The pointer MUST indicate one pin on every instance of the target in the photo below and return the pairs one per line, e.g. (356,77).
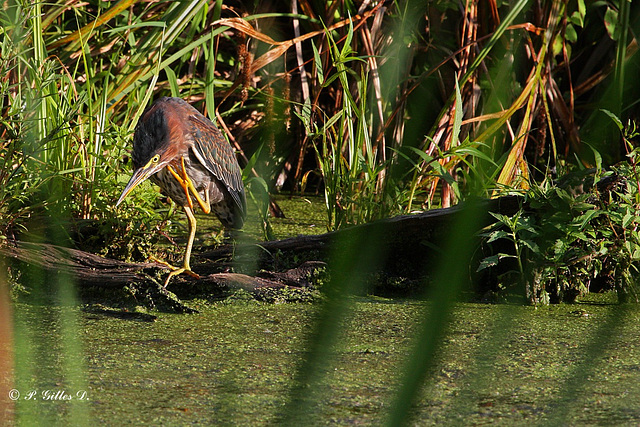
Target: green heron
(185,154)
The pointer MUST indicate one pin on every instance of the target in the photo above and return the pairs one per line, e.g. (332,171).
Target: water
(234,362)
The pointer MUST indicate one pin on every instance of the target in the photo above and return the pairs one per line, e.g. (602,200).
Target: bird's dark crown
(151,136)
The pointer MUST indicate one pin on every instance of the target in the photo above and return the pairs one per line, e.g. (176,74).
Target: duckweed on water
(234,363)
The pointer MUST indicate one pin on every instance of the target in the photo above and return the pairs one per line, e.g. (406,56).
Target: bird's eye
(156,158)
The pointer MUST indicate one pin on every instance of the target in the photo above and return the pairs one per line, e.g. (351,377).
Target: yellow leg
(186,267)
(187,184)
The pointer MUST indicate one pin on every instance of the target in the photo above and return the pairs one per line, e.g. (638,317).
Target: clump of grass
(356,180)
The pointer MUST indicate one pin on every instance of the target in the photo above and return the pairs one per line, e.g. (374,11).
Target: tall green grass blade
(173,82)
(151,48)
(217,10)
(508,20)
(588,365)
(85,31)
(457,117)
(621,51)
(318,63)
(167,62)
(351,263)
(450,279)
(209,89)
(36,70)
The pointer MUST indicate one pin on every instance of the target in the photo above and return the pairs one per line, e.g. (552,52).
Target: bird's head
(152,148)
(152,166)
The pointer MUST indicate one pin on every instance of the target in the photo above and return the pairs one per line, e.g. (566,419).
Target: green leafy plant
(520,231)
(577,236)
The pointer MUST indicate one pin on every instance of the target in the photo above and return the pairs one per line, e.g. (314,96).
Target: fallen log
(86,268)
(90,270)
(410,243)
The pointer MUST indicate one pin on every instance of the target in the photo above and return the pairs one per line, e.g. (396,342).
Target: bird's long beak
(138,176)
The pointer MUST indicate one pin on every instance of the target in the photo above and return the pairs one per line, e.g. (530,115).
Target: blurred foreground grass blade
(449,280)
(588,366)
(479,380)
(48,345)
(46,338)
(7,407)
(621,50)
(353,259)
(515,11)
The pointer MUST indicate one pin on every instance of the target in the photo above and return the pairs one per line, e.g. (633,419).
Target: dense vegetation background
(383,107)
(355,99)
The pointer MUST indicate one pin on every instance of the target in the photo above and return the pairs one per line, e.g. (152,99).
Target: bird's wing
(215,154)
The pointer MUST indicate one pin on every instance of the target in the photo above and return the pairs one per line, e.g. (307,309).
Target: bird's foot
(180,270)
(186,269)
